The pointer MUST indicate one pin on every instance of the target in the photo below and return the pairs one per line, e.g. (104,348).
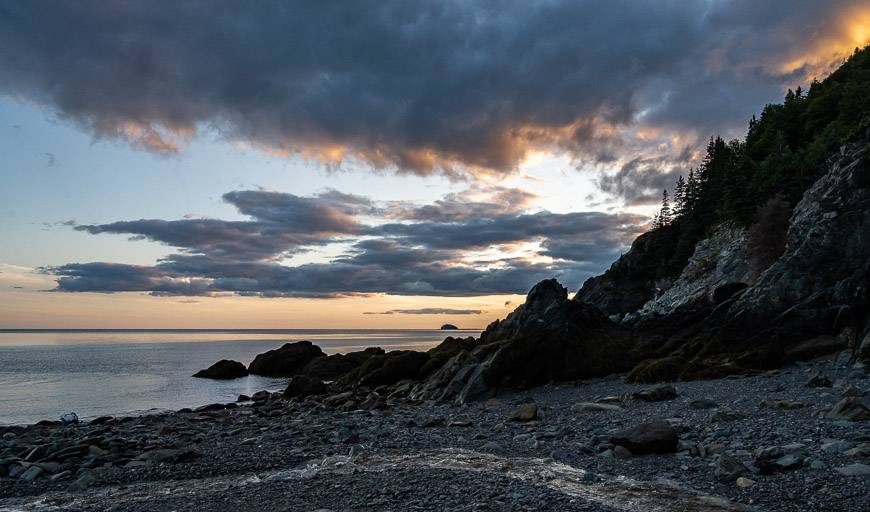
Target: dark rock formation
(223,369)
(547,338)
(812,301)
(286,361)
(449,327)
(387,369)
(301,386)
(336,365)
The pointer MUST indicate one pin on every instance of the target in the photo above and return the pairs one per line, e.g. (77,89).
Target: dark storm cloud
(419,86)
(642,180)
(507,229)
(282,224)
(426,311)
(179,276)
(421,257)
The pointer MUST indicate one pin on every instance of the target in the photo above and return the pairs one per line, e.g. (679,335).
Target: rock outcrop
(223,370)
(813,300)
(334,366)
(547,338)
(286,361)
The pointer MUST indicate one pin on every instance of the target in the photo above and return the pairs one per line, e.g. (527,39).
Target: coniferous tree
(679,198)
(665,212)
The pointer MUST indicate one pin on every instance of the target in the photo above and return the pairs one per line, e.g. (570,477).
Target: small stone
(850,409)
(591,407)
(653,437)
(526,412)
(854,470)
(620,452)
(820,381)
(656,394)
(703,403)
(31,474)
(728,468)
(726,415)
(852,391)
(745,482)
(84,481)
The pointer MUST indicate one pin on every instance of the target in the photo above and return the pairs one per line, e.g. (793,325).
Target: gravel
(743,440)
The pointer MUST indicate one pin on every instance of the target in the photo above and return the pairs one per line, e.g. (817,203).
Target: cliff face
(813,300)
(718,268)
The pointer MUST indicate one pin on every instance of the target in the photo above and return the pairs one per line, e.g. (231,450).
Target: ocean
(47,373)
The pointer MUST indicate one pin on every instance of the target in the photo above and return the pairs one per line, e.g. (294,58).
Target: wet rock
(525,412)
(302,386)
(656,393)
(850,409)
(653,437)
(224,369)
(286,361)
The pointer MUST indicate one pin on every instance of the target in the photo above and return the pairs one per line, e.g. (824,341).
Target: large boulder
(224,369)
(548,338)
(332,367)
(286,361)
(387,369)
(653,437)
(302,386)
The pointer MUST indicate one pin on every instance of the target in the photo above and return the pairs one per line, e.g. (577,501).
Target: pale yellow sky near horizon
(30,307)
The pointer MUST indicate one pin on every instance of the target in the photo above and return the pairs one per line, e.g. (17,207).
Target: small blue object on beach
(69,418)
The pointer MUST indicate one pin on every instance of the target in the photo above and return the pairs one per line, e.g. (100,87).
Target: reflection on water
(47,373)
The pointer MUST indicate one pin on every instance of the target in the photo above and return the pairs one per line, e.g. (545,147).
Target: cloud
(495,251)
(282,223)
(426,311)
(641,180)
(434,86)
(50,159)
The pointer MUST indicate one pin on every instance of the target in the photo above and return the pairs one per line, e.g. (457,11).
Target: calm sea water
(44,374)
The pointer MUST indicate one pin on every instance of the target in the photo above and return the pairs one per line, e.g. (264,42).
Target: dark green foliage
(767,237)
(784,152)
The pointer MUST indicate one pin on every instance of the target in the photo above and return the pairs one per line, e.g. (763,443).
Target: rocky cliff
(811,301)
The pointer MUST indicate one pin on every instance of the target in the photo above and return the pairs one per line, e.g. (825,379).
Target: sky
(357,164)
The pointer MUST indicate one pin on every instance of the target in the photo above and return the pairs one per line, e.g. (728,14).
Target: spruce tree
(665,212)
(679,198)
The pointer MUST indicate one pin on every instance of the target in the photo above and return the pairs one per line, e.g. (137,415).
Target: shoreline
(717,420)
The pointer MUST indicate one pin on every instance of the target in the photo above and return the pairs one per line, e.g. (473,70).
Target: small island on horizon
(449,327)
